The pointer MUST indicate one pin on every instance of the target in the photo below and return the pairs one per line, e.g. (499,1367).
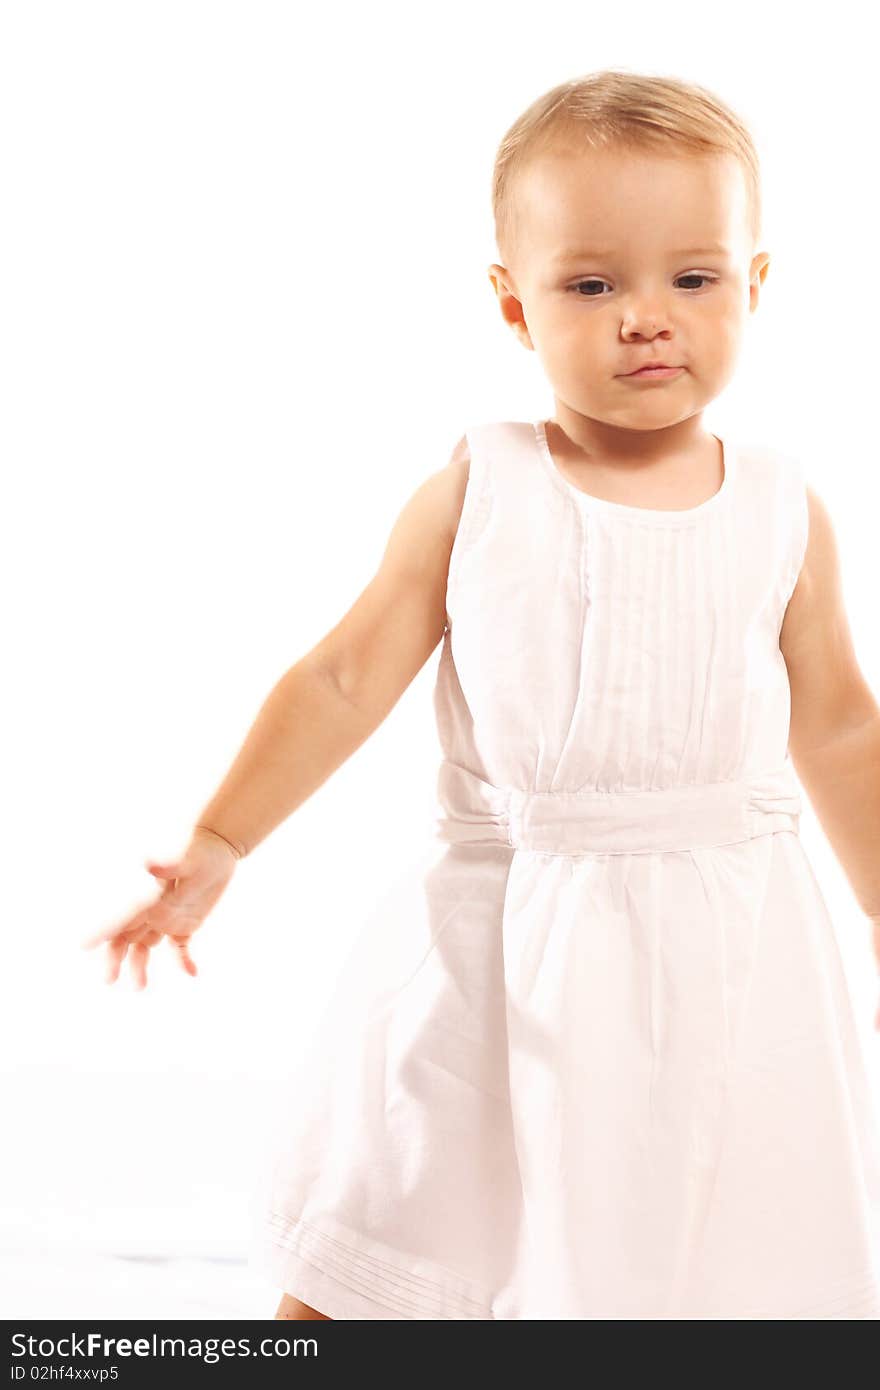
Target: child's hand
(192,886)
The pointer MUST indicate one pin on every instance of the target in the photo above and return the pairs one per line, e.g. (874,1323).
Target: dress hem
(346,1275)
(857,1297)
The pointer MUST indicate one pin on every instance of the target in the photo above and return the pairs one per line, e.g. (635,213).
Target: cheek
(718,332)
(728,333)
(566,329)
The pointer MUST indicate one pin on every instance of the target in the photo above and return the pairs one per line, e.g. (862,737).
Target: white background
(245,313)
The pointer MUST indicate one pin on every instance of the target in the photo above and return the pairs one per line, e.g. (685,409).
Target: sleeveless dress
(594,1056)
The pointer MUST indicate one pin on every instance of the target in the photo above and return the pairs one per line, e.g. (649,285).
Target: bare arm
(835,720)
(331,700)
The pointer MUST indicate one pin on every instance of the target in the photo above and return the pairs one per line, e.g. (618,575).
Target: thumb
(163,870)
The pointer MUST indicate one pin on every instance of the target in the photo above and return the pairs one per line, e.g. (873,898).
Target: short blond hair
(633,111)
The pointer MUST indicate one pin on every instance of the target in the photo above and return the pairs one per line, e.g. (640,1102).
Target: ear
(757,276)
(511,305)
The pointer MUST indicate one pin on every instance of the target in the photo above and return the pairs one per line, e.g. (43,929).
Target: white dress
(595,1056)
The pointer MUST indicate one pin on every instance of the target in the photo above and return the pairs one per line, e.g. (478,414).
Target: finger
(115,956)
(158,910)
(139,957)
(144,931)
(184,957)
(133,925)
(100,936)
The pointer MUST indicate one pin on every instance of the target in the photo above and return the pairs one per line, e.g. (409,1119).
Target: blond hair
(632,111)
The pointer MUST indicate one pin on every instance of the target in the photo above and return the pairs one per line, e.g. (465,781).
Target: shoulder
(819,576)
(828,689)
(429,519)
(447,488)
(821,553)
(817,589)
(458,468)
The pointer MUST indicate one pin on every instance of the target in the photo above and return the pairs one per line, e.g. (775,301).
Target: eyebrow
(599,255)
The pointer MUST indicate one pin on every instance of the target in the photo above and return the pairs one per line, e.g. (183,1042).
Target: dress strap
(506,483)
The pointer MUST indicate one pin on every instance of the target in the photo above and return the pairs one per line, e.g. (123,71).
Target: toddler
(610,1068)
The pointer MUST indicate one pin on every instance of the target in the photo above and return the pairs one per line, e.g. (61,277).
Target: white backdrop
(245,313)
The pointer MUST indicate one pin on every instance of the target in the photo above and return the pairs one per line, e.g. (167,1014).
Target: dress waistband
(473,811)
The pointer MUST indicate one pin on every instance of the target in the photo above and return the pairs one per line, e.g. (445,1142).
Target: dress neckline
(647,516)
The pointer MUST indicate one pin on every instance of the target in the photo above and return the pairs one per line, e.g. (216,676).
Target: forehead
(611,201)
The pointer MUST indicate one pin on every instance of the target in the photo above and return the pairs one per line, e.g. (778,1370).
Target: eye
(594,280)
(698,275)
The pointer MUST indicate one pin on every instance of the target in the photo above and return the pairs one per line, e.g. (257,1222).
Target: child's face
(630,229)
